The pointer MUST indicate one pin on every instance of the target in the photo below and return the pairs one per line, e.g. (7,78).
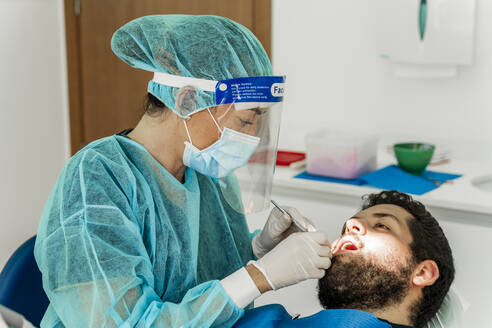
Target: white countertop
(459,194)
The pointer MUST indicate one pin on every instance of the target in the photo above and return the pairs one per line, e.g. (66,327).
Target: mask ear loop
(187,132)
(227,111)
(213,118)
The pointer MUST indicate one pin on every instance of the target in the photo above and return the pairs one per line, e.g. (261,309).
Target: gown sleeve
(96,268)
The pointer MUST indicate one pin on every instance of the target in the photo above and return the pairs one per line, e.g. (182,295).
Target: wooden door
(107,95)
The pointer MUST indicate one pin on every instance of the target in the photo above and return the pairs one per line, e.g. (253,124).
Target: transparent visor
(251,106)
(248,189)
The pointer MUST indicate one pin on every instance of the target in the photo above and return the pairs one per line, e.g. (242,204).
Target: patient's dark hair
(429,243)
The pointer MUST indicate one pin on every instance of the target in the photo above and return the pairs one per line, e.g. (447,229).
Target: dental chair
(21,288)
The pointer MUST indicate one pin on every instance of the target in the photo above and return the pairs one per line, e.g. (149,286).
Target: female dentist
(147,228)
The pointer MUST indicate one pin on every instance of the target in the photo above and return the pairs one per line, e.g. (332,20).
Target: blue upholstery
(21,288)
(275,316)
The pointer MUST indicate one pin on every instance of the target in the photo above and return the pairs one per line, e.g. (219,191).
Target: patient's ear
(425,274)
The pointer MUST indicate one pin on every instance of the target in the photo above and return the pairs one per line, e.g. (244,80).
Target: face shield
(251,106)
(254,180)
(256,110)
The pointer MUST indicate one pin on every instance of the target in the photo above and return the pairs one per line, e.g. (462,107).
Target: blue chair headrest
(21,287)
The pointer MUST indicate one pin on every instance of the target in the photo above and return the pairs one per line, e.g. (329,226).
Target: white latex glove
(301,256)
(276,229)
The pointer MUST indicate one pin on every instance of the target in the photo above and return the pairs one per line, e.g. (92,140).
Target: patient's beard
(354,282)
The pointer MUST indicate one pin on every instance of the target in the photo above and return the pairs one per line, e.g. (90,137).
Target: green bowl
(413,157)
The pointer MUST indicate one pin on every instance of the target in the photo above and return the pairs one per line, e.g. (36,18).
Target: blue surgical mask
(230,152)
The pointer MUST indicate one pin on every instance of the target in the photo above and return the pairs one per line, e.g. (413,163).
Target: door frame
(262,22)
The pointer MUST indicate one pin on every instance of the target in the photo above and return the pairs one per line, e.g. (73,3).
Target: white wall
(34,138)
(337,80)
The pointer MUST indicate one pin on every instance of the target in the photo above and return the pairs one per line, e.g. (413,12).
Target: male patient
(391,267)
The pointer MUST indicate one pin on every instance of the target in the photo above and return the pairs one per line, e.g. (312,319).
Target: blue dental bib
(275,316)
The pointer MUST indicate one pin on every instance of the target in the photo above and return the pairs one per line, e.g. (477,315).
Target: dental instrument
(302,226)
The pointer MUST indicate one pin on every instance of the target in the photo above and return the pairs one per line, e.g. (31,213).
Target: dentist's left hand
(275,230)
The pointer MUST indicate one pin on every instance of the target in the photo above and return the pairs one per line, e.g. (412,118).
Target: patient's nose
(355,226)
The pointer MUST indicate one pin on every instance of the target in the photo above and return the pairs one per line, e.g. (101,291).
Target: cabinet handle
(422,18)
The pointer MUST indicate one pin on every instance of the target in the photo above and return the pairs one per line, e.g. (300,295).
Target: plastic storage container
(340,154)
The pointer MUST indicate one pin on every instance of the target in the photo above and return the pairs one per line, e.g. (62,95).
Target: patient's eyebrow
(383,215)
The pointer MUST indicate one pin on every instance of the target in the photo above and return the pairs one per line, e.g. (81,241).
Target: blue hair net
(203,47)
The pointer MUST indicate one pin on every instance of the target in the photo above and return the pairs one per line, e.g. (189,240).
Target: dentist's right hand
(301,256)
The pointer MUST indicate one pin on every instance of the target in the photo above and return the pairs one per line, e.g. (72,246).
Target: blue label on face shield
(250,89)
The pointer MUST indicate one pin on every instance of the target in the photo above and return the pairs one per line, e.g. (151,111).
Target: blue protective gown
(123,243)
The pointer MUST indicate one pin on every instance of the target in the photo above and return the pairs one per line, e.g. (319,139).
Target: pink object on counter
(334,154)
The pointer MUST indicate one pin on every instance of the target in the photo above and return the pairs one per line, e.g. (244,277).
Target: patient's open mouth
(349,247)
(346,245)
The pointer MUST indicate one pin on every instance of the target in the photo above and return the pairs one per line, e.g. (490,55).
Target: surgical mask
(231,151)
